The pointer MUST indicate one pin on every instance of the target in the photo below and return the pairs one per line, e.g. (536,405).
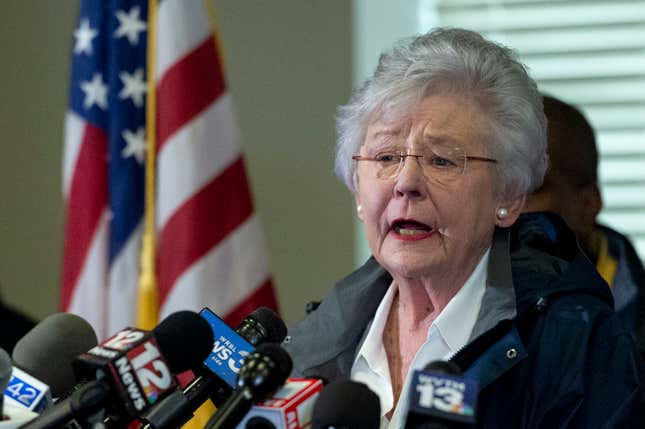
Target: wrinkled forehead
(437,119)
(397,104)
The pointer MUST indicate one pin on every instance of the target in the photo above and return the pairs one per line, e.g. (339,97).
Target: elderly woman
(440,147)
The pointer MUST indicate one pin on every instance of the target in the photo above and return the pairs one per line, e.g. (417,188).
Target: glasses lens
(388,164)
(443,164)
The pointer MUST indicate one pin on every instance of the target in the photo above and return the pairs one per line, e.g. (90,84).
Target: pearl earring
(502,213)
(359,209)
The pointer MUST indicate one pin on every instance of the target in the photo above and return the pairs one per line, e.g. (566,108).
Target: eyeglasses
(443,164)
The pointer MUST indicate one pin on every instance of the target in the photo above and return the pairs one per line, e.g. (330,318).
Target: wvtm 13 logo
(444,394)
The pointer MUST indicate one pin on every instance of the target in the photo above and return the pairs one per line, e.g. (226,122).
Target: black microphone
(261,326)
(441,398)
(263,372)
(131,371)
(231,347)
(43,361)
(5,376)
(47,351)
(346,404)
(443,367)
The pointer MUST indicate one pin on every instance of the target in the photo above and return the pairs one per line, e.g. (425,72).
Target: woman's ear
(508,211)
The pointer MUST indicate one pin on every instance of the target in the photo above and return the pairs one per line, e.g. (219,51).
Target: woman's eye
(387,157)
(439,161)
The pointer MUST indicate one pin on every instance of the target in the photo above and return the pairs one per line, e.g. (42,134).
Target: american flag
(210,249)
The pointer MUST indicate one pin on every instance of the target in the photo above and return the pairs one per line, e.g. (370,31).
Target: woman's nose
(410,179)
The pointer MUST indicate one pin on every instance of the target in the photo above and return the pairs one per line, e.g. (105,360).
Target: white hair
(450,60)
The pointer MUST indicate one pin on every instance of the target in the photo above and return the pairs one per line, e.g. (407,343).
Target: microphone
(263,372)
(216,378)
(232,347)
(5,376)
(441,398)
(130,371)
(43,360)
(12,416)
(347,404)
(289,408)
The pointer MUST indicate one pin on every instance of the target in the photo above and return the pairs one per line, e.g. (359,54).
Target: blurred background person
(571,190)
(440,148)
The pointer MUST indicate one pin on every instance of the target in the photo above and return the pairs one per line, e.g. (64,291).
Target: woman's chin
(411,265)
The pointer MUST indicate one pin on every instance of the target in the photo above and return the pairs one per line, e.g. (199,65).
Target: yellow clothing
(606,264)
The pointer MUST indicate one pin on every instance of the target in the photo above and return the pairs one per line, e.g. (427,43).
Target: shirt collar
(372,349)
(454,324)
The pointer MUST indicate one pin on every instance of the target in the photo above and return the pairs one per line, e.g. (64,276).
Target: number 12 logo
(151,370)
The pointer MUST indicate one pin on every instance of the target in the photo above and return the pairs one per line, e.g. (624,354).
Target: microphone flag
(441,397)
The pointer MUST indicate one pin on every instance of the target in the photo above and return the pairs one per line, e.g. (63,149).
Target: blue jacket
(547,349)
(628,285)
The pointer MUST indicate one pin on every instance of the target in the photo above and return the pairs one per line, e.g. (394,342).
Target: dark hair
(571,142)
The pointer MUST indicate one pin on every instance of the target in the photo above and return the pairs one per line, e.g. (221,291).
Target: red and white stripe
(211,250)
(86,230)
(104,296)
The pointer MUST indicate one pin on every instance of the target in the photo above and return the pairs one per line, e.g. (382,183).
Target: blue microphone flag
(442,397)
(229,349)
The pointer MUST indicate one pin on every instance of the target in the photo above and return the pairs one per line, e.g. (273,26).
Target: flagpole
(148,301)
(203,414)
(209,5)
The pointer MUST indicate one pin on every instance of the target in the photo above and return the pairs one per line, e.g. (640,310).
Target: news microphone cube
(290,407)
(27,392)
(229,349)
(133,365)
(438,397)
(16,416)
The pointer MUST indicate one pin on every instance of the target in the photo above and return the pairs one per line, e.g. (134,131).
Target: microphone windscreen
(259,423)
(265,370)
(275,328)
(47,351)
(5,376)
(279,356)
(5,369)
(347,404)
(443,367)
(185,339)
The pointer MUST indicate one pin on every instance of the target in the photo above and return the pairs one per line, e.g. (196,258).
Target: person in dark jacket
(571,190)
(440,148)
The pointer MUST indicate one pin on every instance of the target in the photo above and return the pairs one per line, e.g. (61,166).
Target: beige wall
(288,66)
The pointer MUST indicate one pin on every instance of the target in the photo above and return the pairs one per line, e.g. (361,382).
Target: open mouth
(409,228)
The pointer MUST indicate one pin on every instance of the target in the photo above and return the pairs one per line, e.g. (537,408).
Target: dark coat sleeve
(590,373)
(613,395)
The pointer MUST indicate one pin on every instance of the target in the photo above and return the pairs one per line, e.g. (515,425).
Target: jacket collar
(333,331)
(498,302)
(523,265)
